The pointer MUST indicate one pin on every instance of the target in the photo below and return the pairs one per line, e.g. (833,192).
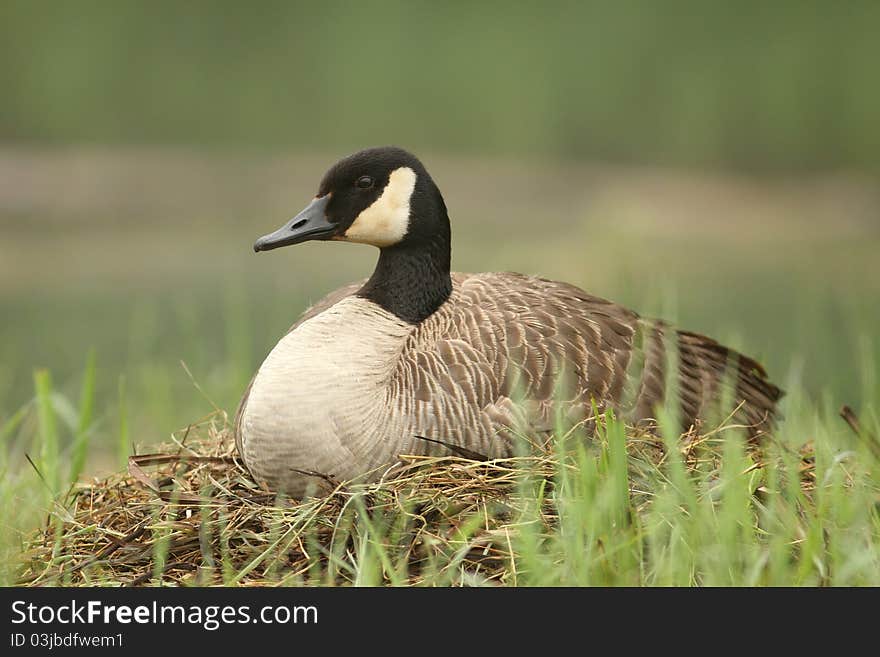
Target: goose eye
(364,182)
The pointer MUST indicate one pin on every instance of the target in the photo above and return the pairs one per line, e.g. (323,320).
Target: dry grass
(189,514)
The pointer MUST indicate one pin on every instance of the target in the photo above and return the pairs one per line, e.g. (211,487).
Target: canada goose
(417,357)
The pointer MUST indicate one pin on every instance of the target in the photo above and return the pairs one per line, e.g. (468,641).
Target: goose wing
(510,351)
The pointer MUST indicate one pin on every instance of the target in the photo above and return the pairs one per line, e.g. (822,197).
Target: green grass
(625,508)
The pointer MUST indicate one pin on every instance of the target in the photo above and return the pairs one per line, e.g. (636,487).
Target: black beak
(310,224)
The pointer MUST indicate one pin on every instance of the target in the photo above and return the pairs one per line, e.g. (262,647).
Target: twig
(37,470)
(463,452)
(174,565)
(115,544)
(852,420)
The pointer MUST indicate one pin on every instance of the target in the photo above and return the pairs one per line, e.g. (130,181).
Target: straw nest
(189,514)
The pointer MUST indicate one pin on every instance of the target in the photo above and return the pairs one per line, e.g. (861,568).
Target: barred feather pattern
(508,355)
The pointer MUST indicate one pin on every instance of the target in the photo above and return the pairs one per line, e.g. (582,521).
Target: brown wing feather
(709,372)
(546,342)
(539,342)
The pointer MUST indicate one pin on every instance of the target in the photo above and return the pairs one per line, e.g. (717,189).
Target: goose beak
(310,224)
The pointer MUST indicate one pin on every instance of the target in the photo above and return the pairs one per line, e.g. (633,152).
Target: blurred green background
(715,163)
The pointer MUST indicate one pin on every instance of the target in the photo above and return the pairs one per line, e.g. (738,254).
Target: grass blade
(86,414)
(48,430)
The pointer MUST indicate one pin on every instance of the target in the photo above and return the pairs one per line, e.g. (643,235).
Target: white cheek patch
(386,221)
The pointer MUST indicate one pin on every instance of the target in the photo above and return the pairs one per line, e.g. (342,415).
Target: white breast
(320,399)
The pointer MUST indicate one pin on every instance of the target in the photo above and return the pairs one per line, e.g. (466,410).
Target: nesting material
(189,514)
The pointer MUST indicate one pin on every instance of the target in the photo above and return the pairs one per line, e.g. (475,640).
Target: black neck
(411,279)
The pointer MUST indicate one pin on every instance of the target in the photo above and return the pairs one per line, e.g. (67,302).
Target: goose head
(383,197)
(379,196)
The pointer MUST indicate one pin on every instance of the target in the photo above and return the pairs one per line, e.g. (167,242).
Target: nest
(189,514)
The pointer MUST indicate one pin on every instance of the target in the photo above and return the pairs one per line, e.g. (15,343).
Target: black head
(379,196)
